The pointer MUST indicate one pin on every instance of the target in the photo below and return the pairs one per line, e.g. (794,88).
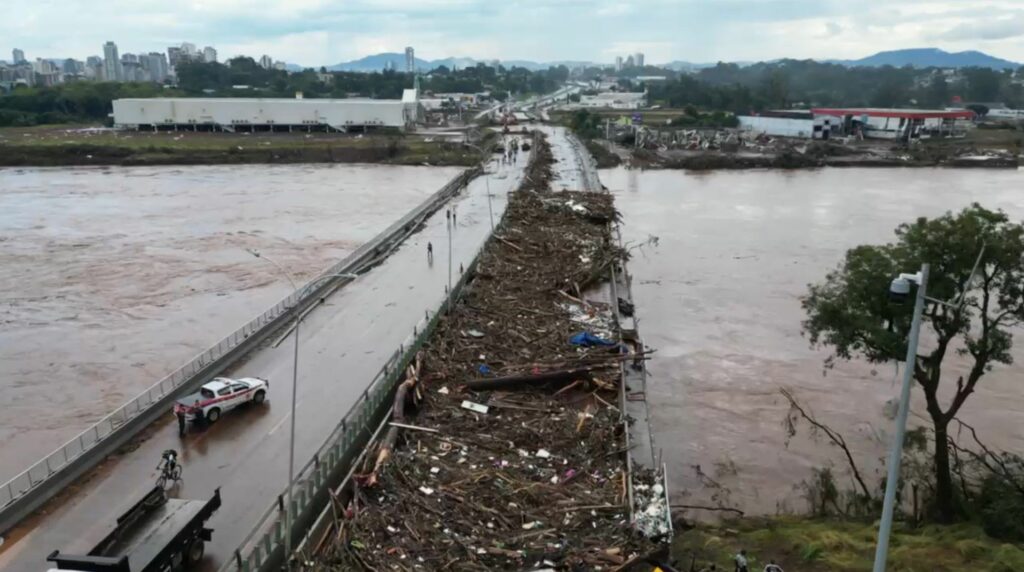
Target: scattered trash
(474,333)
(543,454)
(475,407)
(427,490)
(484,369)
(586,339)
(443,390)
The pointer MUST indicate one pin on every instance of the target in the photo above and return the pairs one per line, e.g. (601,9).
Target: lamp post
(295,386)
(900,287)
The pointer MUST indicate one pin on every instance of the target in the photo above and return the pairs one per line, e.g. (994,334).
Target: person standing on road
(430,253)
(181,423)
(741,562)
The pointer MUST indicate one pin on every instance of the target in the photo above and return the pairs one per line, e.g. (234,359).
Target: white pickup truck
(219,395)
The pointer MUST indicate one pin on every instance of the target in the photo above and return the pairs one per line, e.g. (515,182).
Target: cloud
(987,29)
(324,32)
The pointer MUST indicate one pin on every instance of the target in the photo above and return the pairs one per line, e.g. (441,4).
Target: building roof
(236,100)
(900,113)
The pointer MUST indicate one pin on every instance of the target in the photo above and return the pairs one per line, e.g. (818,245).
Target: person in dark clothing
(430,253)
(182,428)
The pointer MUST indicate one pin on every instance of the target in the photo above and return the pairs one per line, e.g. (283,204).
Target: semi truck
(157,534)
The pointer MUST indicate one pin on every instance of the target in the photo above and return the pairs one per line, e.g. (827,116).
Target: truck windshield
(206,393)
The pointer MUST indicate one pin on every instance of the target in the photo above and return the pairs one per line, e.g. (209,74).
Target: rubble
(526,464)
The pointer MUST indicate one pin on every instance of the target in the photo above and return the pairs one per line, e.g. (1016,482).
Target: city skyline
(320,32)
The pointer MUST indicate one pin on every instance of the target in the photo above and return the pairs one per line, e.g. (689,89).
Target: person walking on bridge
(430,253)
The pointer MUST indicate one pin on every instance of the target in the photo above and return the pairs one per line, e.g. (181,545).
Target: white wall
(777,126)
(338,113)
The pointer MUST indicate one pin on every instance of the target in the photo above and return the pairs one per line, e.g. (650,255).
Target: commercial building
(780,123)
(111,63)
(638,59)
(410,59)
(266,62)
(271,114)
(209,55)
(614,100)
(868,123)
(618,63)
(18,55)
(875,123)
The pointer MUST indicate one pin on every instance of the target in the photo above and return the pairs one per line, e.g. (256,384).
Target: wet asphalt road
(343,345)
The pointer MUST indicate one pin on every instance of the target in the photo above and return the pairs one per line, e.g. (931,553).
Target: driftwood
(563,375)
(397,417)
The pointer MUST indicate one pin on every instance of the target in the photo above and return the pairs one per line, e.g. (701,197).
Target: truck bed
(143,541)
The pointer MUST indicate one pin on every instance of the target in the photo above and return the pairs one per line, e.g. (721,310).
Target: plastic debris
(475,407)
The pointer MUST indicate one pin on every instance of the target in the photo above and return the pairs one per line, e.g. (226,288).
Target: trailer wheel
(194,552)
(213,415)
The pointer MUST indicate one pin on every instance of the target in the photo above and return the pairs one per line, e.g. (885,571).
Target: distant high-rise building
(173,56)
(154,67)
(389,65)
(267,62)
(410,60)
(19,56)
(189,49)
(638,60)
(209,55)
(94,68)
(111,63)
(280,66)
(618,63)
(630,62)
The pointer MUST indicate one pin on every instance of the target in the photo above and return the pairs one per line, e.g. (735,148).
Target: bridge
(356,321)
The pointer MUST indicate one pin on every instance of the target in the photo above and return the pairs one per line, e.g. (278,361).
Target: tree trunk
(944,502)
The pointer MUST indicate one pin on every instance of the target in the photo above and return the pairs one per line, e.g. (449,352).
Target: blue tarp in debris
(586,339)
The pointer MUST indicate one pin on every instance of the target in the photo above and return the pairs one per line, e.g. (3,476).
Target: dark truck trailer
(155,535)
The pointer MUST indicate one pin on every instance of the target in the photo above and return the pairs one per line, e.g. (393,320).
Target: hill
(932,57)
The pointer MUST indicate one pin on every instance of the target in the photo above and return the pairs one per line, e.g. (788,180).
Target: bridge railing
(27,490)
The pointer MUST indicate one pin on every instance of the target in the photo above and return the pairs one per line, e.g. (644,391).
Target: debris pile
(510,452)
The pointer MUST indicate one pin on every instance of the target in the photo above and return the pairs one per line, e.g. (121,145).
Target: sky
(325,32)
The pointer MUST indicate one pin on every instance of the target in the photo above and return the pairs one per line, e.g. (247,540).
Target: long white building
(259,114)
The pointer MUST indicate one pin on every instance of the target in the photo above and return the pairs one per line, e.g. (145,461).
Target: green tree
(850,312)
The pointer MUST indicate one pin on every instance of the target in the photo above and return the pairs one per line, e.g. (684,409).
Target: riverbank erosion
(52,147)
(505,449)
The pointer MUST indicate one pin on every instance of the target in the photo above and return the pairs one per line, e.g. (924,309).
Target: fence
(264,546)
(32,487)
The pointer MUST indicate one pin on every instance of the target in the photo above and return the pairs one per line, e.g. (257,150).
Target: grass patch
(828,545)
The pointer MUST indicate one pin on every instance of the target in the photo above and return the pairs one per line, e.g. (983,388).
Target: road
(343,345)
(572,170)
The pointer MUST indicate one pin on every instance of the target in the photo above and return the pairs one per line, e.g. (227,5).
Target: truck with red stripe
(218,396)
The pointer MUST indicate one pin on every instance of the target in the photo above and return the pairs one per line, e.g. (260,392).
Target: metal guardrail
(264,546)
(32,487)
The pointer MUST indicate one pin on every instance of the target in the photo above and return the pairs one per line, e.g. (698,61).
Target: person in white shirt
(741,561)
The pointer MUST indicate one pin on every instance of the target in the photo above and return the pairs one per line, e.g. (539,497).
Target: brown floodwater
(719,293)
(114,277)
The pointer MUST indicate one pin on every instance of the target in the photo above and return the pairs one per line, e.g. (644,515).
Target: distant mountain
(931,57)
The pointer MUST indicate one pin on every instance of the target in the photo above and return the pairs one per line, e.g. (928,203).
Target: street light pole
(896,455)
(295,387)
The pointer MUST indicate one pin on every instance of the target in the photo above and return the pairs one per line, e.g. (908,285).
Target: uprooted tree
(851,313)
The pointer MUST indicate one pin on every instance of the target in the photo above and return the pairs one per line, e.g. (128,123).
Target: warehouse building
(268,114)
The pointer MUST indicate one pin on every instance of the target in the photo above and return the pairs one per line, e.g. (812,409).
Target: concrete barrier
(27,491)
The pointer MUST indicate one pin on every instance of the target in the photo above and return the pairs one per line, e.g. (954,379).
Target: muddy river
(114,277)
(718,296)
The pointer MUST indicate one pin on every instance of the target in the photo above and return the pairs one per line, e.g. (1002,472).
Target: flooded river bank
(718,295)
(113,277)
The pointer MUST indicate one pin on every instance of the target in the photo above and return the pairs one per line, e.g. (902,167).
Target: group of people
(511,152)
(742,564)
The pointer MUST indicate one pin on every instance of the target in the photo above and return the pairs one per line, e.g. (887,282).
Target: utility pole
(896,454)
